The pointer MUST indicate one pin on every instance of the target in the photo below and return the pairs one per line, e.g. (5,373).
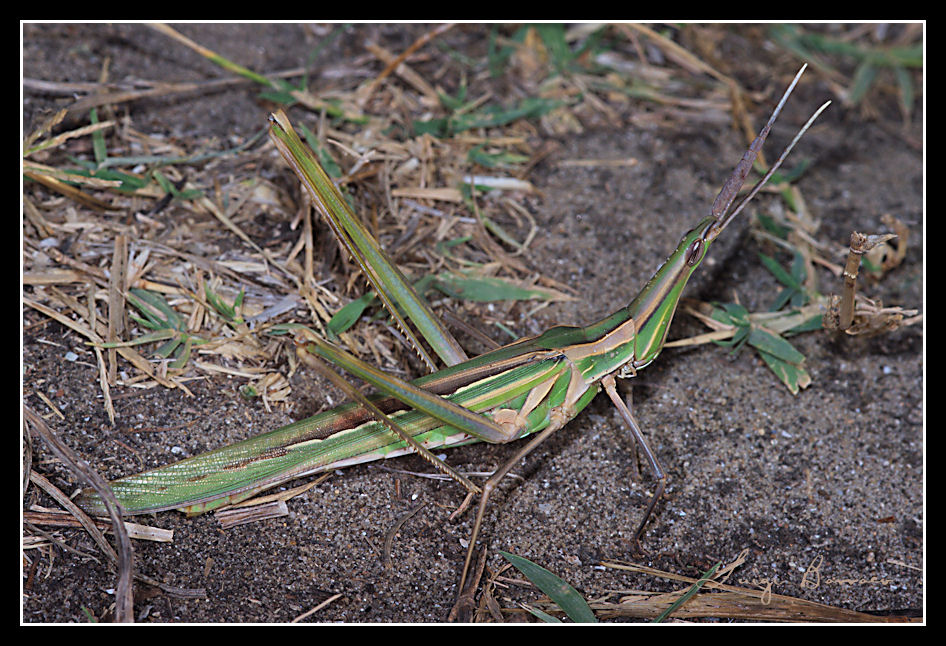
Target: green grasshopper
(533,386)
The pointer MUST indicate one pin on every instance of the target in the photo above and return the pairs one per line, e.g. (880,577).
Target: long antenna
(775,166)
(731,188)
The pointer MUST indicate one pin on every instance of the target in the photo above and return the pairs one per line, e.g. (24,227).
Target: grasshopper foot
(465,607)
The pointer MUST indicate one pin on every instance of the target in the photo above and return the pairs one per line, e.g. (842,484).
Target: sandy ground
(829,481)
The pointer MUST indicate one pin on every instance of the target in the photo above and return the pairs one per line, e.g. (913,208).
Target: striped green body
(316,444)
(525,387)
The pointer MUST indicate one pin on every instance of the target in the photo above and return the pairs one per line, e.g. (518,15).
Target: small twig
(316,609)
(230,518)
(124,606)
(369,89)
(391,533)
(54,518)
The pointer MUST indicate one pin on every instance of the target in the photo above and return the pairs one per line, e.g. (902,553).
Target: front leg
(610,388)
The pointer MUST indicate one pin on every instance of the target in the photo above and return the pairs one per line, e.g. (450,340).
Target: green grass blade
(792,375)
(863,79)
(99,149)
(775,345)
(553,37)
(779,272)
(490,116)
(543,616)
(564,595)
(230,313)
(167,324)
(349,314)
(810,324)
(153,305)
(502,159)
(907,92)
(183,354)
(167,348)
(689,593)
(779,355)
(158,335)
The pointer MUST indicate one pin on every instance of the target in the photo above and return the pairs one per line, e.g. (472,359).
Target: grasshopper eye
(695,252)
